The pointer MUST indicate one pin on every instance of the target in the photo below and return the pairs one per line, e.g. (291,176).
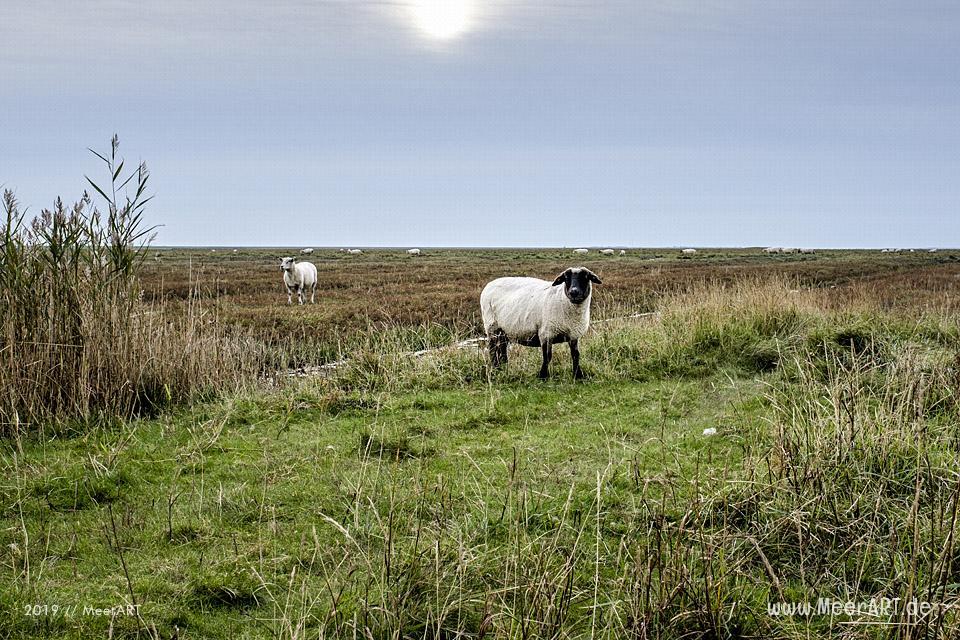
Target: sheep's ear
(561,278)
(593,277)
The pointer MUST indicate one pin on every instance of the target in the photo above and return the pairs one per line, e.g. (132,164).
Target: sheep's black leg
(493,344)
(575,356)
(547,348)
(497,343)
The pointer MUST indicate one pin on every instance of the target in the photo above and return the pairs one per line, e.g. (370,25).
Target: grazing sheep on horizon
(773,250)
(581,251)
(307,251)
(413,252)
(537,313)
(808,251)
(354,252)
(623,252)
(299,276)
(607,252)
(688,252)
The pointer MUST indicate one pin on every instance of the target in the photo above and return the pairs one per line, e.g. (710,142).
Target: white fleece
(527,307)
(302,277)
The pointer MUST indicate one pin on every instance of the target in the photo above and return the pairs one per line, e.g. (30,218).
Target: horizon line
(543,248)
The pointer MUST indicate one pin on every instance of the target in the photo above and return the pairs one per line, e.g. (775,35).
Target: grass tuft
(79,345)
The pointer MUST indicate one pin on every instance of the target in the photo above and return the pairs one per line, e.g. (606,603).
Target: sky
(556,123)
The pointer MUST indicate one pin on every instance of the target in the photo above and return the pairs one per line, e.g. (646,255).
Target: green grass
(428,497)
(218,508)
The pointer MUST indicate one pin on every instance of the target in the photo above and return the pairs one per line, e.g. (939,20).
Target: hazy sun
(443,19)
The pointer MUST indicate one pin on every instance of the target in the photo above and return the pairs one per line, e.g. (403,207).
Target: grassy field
(426,497)
(386,290)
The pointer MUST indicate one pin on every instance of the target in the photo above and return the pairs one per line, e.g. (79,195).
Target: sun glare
(443,19)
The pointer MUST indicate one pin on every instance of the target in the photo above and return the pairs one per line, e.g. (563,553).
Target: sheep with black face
(538,313)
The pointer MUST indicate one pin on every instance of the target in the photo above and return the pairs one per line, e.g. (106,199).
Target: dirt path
(470,343)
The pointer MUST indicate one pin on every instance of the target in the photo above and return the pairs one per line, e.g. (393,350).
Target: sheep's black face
(576,283)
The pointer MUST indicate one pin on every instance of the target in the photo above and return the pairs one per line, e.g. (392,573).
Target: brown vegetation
(387,289)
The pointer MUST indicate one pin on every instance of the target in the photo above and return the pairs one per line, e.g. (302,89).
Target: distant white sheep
(413,252)
(623,252)
(354,252)
(538,313)
(808,251)
(581,251)
(773,250)
(607,252)
(688,252)
(299,276)
(307,251)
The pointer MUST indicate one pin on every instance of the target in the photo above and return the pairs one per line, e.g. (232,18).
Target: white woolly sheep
(623,252)
(307,251)
(413,252)
(354,252)
(299,276)
(808,250)
(607,252)
(537,313)
(689,252)
(581,250)
(773,250)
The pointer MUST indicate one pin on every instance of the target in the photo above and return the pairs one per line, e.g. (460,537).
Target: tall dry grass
(845,485)
(77,340)
(848,490)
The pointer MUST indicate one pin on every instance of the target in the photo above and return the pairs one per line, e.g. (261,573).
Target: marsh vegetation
(153,454)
